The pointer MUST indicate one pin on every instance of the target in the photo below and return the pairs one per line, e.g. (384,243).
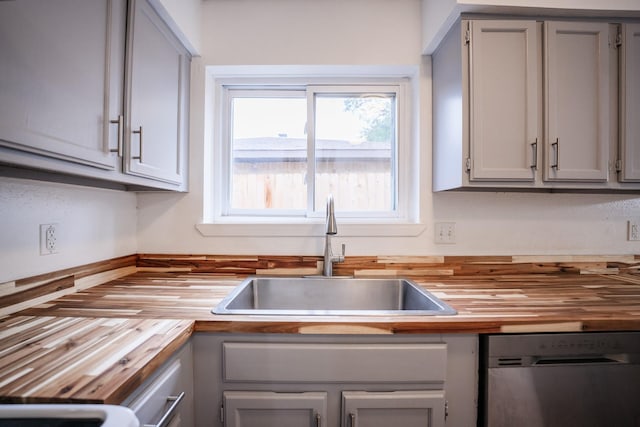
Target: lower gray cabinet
(401,408)
(250,380)
(270,409)
(419,408)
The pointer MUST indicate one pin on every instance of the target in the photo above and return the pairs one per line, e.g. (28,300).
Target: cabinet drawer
(160,398)
(362,363)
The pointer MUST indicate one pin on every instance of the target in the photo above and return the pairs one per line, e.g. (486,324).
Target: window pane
(269,153)
(355,152)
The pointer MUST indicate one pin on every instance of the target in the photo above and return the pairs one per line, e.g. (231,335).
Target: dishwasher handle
(598,359)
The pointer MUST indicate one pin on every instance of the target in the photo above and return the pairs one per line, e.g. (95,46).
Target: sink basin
(330,296)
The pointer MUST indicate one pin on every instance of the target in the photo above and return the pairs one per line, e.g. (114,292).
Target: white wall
(293,32)
(94,225)
(183,16)
(311,32)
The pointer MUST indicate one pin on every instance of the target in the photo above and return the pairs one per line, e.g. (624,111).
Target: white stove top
(85,415)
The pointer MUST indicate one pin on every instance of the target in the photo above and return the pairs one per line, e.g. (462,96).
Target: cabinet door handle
(120,122)
(139,132)
(318,420)
(556,149)
(534,146)
(352,418)
(166,417)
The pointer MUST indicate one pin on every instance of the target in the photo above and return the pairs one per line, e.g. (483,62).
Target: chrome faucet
(331,229)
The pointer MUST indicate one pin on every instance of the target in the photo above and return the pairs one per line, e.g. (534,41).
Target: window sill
(309,229)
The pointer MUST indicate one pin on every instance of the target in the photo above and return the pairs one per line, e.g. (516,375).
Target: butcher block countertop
(497,304)
(96,345)
(46,359)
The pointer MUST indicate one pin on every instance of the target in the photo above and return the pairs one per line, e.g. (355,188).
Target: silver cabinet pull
(318,420)
(352,418)
(556,149)
(120,122)
(139,132)
(534,146)
(166,417)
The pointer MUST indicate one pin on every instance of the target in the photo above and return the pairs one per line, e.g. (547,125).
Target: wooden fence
(356,185)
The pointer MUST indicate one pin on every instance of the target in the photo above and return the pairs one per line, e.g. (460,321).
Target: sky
(264,117)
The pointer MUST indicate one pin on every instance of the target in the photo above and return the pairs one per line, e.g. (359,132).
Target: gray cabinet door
(156,97)
(397,408)
(61,78)
(270,409)
(577,98)
(504,98)
(630,103)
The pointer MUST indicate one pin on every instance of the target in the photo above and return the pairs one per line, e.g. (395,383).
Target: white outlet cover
(49,239)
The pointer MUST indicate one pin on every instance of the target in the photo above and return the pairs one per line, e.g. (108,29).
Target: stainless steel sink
(330,296)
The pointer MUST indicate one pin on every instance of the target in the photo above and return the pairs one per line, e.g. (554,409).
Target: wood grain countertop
(45,359)
(485,304)
(98,344)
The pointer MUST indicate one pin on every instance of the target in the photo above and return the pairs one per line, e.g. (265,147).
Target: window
(279,139)
(287,148)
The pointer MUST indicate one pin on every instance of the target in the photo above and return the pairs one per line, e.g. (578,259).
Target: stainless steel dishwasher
(563,380)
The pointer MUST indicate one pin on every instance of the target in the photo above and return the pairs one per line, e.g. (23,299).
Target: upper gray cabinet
(157,91)
(91,97)
(504,104)
(530,105)
(629,160)
(487,95)
(61,78)
(577,80)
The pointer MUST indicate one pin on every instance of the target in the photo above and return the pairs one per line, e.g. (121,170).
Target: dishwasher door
(561,380)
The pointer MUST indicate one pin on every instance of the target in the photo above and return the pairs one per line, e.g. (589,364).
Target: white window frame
(309,93)
(407,221)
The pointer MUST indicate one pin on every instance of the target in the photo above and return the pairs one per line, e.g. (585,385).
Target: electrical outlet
(48,239)
(633,230)
(445,232)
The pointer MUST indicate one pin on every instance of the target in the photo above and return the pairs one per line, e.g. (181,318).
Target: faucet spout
(331,230)
(332,226)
